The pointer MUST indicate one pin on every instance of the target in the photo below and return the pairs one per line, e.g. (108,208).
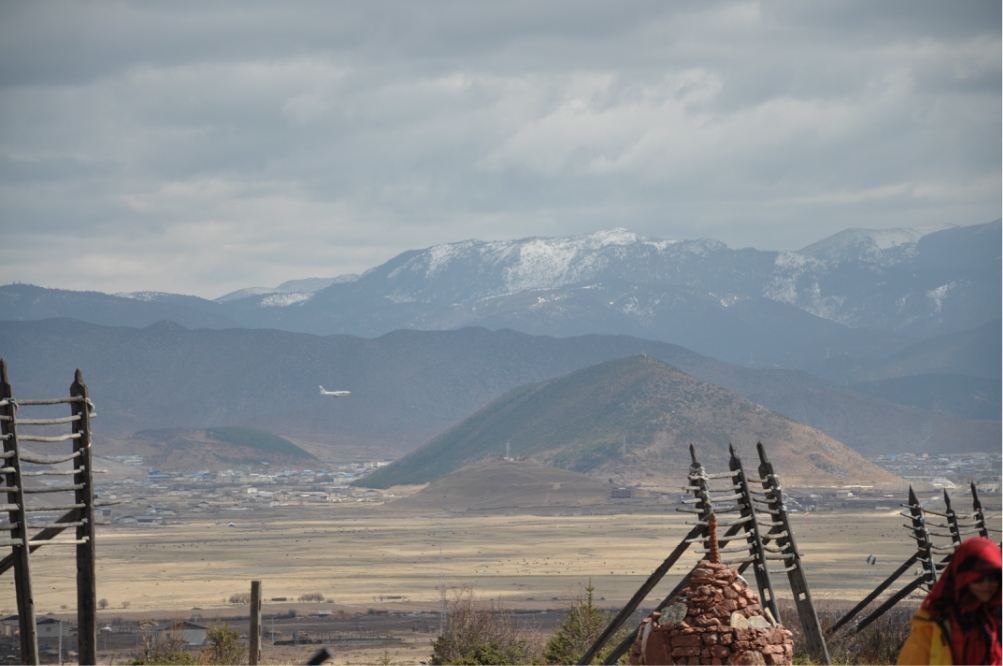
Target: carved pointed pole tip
(79,376)
(693,453)
(762,452)
(3,370)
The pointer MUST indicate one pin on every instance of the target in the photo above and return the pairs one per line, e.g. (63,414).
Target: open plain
(366,560)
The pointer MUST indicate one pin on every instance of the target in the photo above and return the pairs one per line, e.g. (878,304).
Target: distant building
(621,493)
(9,626)
(51,627)
(194,635)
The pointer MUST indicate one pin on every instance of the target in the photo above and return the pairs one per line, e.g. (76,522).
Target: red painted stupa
(716,619)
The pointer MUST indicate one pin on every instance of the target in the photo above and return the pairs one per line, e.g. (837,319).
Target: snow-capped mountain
(287,293)
(861,293)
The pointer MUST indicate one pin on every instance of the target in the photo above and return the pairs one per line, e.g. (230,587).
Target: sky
(200,148)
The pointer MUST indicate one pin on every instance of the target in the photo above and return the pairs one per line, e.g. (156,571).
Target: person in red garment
(959,621)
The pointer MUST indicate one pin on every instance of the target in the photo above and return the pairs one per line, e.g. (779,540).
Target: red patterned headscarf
(974,626)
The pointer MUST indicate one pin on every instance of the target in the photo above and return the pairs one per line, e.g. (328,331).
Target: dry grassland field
(361,559)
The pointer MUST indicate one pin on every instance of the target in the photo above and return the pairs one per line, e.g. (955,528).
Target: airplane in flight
(335,394)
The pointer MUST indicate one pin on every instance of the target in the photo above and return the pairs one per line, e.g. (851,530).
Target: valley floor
(392,565)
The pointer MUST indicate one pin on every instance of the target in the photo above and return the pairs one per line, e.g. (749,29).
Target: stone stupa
(715,619)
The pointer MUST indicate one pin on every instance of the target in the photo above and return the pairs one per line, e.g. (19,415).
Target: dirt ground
(365,565)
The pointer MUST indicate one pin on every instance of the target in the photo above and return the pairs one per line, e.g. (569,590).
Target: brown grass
(879,642)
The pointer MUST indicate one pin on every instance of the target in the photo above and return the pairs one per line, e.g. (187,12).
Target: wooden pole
(49,532)
(17,515)
(952,521)
(254,638)
(922,536)
(767,596)
(980,517)
(875,593)
(87,638)
(782,535)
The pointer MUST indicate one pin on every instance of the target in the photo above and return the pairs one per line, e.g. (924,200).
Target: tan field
(354,557)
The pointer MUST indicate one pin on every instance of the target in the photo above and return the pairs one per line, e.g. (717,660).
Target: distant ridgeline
(262,440)
(215,448)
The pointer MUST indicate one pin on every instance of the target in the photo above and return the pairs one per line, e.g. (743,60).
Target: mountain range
(407,386)
(858,295)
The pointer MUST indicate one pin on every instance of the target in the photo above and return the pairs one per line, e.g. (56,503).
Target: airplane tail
(322,389)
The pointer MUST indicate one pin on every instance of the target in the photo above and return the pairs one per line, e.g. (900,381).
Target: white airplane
(335,394)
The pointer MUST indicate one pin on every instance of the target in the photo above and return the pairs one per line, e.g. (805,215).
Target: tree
(225,646)
(580,629)
(478,633)
(125,604)
(103,604)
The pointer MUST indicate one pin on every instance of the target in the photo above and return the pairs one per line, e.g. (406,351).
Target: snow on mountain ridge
(527,264)
(884,247)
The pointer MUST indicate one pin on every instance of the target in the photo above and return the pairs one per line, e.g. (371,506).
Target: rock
(655,650)
(685,652)
(673,615)
(720,652)
(687,641)
(738,621)
(759,622)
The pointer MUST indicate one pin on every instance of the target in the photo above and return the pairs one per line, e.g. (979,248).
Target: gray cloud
(202,148)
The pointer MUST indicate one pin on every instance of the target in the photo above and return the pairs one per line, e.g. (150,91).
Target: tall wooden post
(922,536)
(755,539)
(952,521)
(254,649)
(783,537)
(87,639)
(14,503)
(980,516)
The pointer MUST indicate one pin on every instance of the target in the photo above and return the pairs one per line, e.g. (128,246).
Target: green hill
(260,440)
(174,449)
(579,422)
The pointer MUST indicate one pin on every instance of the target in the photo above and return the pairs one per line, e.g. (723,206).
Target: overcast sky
(204,147)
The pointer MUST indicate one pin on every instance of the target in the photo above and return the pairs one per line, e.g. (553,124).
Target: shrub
(580,629)
(879,643)
(313,596)
(163,647)
(225,646)
(478,633)
(240,598)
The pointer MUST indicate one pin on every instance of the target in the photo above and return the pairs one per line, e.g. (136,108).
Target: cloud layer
(200,148)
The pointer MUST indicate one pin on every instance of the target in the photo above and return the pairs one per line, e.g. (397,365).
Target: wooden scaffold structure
(761,529)
(925,555)
(80,514)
